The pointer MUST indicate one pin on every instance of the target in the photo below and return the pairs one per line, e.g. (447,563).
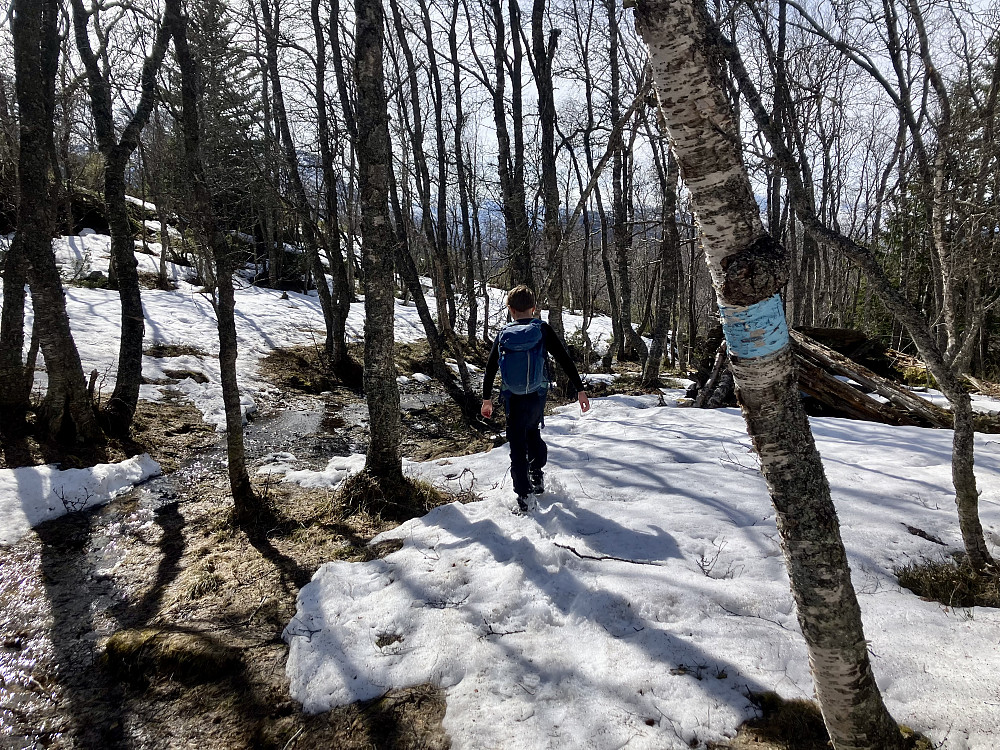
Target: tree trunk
(67,412)
(510,161)
(14,398)
(629,339)
(247,506)
(670,258)
(468,247)
(125,397)
(117,152)
(440,245)
(412,116)
(299,198)
(964,476)
(340,294)
(407,269)
(748,269)
(435,230)
(384,460)
(345,283)
(543,55)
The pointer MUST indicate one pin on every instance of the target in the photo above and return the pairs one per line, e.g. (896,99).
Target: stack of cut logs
(843,387)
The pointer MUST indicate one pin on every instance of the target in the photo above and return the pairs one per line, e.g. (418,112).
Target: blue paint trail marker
(755,331)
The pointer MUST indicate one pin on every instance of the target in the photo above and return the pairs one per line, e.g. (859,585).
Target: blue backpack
(522,357)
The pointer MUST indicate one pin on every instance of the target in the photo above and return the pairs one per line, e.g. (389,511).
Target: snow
(980,403)
(648,590)
(154,226)
(639,601)
(185,316)
(33,494)
(140,202)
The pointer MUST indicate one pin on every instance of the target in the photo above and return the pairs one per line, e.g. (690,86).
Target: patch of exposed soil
(169,430)
(174,350)
(148,280)
(153,623)
(433,425)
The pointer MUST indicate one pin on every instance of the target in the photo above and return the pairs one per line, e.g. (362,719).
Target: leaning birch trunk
(748,269)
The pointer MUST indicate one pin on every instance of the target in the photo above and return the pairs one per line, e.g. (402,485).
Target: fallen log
(818,368)
(809,350)
(816,382)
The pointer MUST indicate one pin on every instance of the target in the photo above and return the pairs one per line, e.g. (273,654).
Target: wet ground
(163,561)
(152,622)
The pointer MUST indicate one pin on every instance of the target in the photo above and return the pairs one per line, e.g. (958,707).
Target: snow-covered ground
(647,592)
(264,322)
(33,494)
(183,317)
(639,601)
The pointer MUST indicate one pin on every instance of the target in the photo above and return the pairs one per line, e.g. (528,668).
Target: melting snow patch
(336,471)
(33,494)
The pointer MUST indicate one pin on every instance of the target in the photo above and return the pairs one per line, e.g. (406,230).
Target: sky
(634,607)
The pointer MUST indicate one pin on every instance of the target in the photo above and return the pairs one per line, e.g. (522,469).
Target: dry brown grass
(952,583)
(793,725)
(188,657)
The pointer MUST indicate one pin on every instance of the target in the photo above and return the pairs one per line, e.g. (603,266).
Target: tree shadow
(294,575)
(92,701)
(81,588)
(172,546)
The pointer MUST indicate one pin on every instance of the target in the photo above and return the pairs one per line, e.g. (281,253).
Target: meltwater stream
(79,578)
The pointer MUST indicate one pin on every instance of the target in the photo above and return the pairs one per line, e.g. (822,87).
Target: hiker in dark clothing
(519,353)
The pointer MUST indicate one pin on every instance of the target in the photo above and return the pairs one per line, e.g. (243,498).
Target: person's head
(521,301)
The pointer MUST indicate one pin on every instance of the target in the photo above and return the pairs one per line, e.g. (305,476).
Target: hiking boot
(522,504)
(536,482)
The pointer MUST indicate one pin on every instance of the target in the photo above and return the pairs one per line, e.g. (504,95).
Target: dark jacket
(553,346)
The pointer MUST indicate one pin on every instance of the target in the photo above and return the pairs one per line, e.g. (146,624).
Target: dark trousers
(527,449)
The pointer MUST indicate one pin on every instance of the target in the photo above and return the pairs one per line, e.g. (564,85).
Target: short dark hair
(521,298)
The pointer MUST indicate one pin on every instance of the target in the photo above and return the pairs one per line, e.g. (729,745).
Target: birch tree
(748,270)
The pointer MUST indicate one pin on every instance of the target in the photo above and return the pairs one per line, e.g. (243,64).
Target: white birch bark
(748,269)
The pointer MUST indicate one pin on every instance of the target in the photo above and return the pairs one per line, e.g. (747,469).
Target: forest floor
(152,622)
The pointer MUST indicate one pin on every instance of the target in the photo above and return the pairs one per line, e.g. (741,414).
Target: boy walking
(519,352)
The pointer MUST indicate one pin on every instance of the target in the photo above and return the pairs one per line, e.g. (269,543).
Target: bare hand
(584,401)
(487,410)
